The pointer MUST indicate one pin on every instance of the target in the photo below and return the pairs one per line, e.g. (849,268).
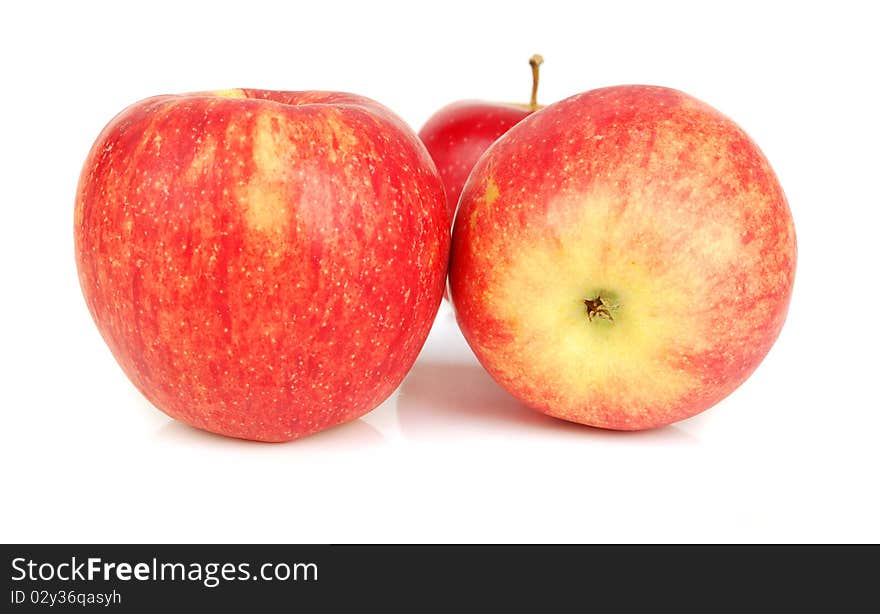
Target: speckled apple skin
(648,197)
(459,133)
(263,265)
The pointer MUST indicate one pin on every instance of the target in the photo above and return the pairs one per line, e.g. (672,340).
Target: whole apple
(623,258)
(458,134)
(263,265)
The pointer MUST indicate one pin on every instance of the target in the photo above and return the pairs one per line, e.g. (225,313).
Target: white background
(790,456)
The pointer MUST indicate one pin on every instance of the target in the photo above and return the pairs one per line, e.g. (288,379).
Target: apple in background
(263,265)
(622,259)
(458,134)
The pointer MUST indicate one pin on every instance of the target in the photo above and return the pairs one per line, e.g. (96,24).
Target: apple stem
(600,307)
(535,62)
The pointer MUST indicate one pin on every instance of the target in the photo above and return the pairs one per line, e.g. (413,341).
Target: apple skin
(458,134)
(263,265)
(654,213)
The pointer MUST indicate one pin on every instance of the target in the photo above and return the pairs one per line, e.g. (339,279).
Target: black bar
(598,578)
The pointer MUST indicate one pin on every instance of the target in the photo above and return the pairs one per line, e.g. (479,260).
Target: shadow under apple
(438,400)
(356,433)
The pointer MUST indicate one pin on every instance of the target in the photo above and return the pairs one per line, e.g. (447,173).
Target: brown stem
(535,62)
(602,307)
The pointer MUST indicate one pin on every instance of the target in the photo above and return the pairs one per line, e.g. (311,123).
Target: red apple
(263,265)
(458,134)
(624,258)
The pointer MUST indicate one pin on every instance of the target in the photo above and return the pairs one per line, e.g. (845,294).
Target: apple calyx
(535,62)
(600,307)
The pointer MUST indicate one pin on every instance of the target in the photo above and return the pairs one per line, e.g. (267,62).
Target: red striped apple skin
(263,265)
(623,258)
(458,134)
